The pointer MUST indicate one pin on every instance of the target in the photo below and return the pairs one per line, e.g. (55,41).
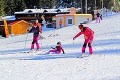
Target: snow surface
(9,17)
(104,64)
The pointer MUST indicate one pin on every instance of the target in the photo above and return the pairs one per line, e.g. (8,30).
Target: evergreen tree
(14,6)
(2,7)
(8,7)
(47,3)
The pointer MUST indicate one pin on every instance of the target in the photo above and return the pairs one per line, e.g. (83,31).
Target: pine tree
(8,7)
(2,7)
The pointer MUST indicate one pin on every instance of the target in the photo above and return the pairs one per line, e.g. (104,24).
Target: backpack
(40,27)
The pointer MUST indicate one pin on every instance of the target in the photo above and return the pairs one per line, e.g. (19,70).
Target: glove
(63,52)
(73,38)
(52,47)
(85,37)
(28,30)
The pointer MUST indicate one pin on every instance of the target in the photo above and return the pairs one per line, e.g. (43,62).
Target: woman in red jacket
(88,35)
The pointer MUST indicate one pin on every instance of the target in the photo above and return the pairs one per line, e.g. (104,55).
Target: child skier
(57,49)
(88,35)
(98,17)
(35,29)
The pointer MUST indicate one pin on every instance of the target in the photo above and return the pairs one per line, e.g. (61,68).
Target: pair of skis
(83,55)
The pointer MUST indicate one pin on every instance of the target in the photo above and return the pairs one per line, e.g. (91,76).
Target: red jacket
(59,48)
(87,32)
(60,22)
(40,27)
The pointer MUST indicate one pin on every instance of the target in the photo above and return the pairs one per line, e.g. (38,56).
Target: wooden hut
(18,27)
(14,27)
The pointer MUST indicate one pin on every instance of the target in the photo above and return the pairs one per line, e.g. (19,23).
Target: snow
(104,64)
(10,17)
(41,10)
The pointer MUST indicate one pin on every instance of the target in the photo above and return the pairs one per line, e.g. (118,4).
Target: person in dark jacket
(35,30)
(98,17)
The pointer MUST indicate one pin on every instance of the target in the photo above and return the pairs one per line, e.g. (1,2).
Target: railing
(24,18)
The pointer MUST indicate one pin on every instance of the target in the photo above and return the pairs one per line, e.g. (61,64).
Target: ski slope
(104,64)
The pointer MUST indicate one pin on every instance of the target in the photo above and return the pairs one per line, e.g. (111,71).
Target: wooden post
(6,28)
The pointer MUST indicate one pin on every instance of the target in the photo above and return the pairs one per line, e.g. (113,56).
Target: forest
(8,7)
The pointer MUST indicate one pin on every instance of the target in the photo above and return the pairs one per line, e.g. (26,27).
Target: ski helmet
(34,24)
(58,43)
(80,26)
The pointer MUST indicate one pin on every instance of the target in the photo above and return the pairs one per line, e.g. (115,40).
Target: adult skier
(60,23)
(88,36)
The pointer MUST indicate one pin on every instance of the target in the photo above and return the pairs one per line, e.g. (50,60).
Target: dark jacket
(98,15)
(35,31)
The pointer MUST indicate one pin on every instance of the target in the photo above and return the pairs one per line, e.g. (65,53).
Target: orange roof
(13,23)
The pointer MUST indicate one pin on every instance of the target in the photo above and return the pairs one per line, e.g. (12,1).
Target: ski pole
(96,49)
(26,41)
(73,42)
(41,37)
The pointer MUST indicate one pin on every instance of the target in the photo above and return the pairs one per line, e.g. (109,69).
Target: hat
(80,26)
(58,43)
(35,24)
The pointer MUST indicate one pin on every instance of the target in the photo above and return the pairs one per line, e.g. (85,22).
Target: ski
(36,52)
(51,35)
(42,52)
(39,52)
(83,55)
(31,51)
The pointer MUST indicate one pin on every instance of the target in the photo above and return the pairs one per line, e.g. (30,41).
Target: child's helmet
(58,43)
(80,26)
(34,24)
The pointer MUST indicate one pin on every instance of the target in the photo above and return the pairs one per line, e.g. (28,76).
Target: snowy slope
(104,64)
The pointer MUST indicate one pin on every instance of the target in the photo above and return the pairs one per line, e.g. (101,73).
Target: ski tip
(24,52)
(79,57)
